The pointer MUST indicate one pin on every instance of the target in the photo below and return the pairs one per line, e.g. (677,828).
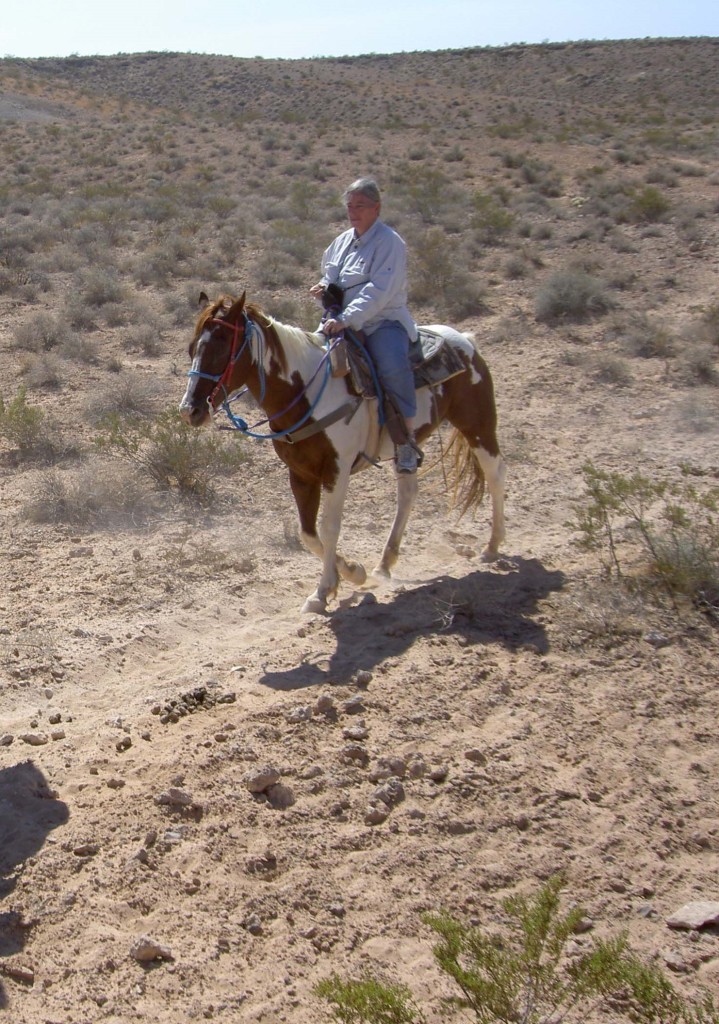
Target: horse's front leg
(324,544)
(406,494)
(329,532)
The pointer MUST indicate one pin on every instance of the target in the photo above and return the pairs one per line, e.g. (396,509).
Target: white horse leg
(326,547)
(495,472)
(406,494)
(348,569)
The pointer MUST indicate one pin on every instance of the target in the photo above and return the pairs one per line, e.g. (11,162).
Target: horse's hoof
(382,573)
(314,606)
(489,555)
(356,574)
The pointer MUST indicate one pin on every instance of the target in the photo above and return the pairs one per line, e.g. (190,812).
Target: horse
(324,433)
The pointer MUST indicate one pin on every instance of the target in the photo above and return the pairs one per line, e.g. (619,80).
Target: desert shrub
(522,974)
(662,175)
(81,348)
(647,339)
(100,288)
(709,324)
(275,269)
(620,242)
(294,238)
(438,277)
(697,363)
(611,369)
(515,267)
(543,176)
(674,525)
(603,612)
(575,357)
(304,199)
(182,308)
(698,411)
(289,310)
(174,455)
(79,314)
(41,333)
(423,189)
(489,219)
(455,154)
(145,338)
(131,396)
(649,204)
(27,429)
(368,1000)
(43,372)
(155,268)
(571,294)
(93,497)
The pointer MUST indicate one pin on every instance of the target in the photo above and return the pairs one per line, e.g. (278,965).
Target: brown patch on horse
(469,405)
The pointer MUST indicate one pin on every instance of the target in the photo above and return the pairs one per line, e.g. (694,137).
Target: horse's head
(220,341)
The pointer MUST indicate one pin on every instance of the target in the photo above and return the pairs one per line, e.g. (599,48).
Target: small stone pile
(198,699)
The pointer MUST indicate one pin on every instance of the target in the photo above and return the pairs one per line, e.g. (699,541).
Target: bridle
(241,339)
(242,335)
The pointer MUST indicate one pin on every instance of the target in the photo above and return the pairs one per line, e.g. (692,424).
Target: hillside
(442,740)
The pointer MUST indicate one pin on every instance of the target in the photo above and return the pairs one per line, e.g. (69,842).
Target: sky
(298,28)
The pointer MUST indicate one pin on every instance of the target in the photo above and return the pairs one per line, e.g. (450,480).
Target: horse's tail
(466,479)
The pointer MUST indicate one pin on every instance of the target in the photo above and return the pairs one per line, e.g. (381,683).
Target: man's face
(361,212)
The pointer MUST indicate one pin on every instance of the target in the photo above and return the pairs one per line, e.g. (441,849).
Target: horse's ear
(237,306)
(203,300)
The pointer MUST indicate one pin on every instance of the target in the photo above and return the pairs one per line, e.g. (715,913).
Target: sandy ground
(529,724)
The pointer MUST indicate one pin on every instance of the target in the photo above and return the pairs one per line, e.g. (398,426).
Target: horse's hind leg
(495,472)
(406,494)
(471,409)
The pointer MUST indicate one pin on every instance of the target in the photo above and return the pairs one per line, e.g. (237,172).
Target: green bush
(24,428)
(648,205)
(675,525)
(489,219)
(176,456)
(438,278)
(523,975)
(368,1000)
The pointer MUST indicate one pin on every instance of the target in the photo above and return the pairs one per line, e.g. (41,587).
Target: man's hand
(332,327)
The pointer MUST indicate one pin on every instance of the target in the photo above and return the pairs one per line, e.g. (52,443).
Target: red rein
(234,356)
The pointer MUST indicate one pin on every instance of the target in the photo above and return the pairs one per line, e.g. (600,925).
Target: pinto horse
(324,433)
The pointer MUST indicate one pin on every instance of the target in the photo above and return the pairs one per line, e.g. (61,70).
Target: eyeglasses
(352,207)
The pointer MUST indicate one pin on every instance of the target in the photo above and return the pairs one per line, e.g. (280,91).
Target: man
(369,263)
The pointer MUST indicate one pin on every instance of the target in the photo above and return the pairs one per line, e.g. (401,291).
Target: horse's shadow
(29,811)
(482,607)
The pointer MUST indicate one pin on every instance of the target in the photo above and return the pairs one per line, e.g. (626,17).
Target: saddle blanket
(433,361)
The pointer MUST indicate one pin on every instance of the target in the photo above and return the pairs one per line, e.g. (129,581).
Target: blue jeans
(388,346)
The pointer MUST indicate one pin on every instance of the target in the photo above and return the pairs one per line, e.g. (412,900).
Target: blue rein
(240,424)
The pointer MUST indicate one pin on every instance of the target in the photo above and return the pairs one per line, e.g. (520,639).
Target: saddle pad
(433,361)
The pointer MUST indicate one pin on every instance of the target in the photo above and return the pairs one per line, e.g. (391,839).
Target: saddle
(431,358)
(433,361)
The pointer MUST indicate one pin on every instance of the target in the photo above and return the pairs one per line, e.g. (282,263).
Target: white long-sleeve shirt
(372,270)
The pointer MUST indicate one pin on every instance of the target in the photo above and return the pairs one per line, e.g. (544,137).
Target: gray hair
(365,186)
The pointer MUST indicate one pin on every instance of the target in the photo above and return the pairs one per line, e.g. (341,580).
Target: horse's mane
(281,338)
